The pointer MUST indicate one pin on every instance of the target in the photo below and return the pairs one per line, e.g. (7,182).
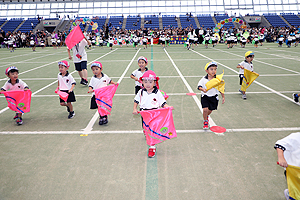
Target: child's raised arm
(90,90)
(202,89)
(134,78)
(223,97)
(70,90)
(240,66)
(135,111)
(281,160)
(70,57)
(111,82)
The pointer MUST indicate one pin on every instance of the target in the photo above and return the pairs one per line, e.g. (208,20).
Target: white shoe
(286,194)
(244,96)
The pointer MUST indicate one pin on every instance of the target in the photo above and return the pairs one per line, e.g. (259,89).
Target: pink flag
(63,95)
(74,37)
(104,98)
(158,125)
(18,100)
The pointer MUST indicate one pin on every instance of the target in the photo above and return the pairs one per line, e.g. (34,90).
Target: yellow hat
(249,53)
(210,64)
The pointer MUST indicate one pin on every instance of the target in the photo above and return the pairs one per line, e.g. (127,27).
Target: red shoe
(151,152)
(205,125)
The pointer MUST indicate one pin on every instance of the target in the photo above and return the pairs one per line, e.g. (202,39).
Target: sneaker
(286,194)
(83,82)
(100,121)
(244,96)
(105,120)
(296,97)
(152,151)
(205,125)
(71,115)
(19,121)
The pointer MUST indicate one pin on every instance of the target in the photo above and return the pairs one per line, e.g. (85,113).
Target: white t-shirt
(291,146)
(80,49)
(20,85)
(152,100)
(210,93)
(65,82)
(246,65)
(138,73)
(96,83)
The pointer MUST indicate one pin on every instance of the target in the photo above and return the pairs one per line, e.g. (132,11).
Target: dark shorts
(71,97)
(210,102)
(93,103)
(80,66)
(137,89)
(241,78)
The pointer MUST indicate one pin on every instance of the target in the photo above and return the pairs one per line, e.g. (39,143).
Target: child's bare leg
(206,112)
(19,114)
(69,104)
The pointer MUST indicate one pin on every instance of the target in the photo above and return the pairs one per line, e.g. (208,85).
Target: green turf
(42,164)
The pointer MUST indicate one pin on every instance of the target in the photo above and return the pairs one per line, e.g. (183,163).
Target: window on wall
(148,7)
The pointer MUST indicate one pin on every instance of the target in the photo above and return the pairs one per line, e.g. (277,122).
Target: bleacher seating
(293,20)
(26,27)
(206,21)
(154,21)
(12,24)
(275,20)
(2,20)
(187,21)
(169,21)
(115,22)
(222,17)
(133,22)
(100,23)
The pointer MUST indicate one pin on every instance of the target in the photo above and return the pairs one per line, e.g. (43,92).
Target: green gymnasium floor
(49,158)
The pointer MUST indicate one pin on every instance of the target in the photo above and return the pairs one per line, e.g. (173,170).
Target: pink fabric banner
(63,95)
(18,100)
(158,125)
(74,37)
(104,98)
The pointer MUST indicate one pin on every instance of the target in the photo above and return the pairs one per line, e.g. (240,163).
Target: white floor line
(170,94)
(32,59)
(4,58)
(211,122)
(141,131)
(91,123)
(262,85)
(33,94)
(257,60)
(280,56)
(38,67)
(117,77)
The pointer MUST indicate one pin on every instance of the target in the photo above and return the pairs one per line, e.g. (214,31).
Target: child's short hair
(142,58)
(249,54)
(210,64)
(97,64)
(64,63)
(11,69)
